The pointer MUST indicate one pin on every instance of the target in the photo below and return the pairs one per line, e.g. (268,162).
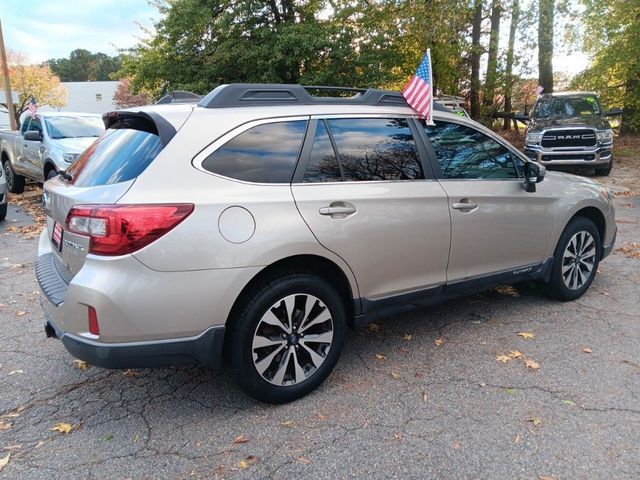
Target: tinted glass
(549,107)
(464,152)
(117,156)
(35,125)
(74,127)
(323,165)
(25,124)
(376,149)
(264,154)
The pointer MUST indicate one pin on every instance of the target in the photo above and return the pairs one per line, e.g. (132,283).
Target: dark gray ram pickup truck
(569,131)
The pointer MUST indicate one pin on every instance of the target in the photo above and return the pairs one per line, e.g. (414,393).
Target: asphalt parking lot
(455,391)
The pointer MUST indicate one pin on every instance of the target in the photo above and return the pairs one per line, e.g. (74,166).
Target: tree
(492,61)
(125,98)
(32,81)
(508,77)
(476,52)
(545,44)
(82,66)
(612,36)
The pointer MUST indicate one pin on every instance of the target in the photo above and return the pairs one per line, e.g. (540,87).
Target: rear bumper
(585,157)
(205,350)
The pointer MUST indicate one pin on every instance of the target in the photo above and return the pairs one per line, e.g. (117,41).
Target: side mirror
(533,173)
(522,117)
(32,136)
(614,112)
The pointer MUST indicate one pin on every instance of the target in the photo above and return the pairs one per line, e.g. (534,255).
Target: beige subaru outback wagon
(259,224)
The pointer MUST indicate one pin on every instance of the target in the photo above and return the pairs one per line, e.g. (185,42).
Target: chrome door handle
(464,204)
(346,210)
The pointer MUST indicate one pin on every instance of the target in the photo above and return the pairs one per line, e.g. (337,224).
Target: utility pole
(7,83)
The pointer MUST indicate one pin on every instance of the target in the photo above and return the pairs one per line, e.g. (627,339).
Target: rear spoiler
(144,121)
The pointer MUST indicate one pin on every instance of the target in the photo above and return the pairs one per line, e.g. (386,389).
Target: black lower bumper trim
(205,350)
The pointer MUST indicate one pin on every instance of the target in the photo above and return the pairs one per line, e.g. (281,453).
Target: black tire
(51,174)
(3,211)
(249,318)
(15,182)
(604,172)
(556,287)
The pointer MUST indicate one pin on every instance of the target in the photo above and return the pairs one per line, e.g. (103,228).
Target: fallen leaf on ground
(407,336)
(568,403)
(13,447)
(512,391)
(63,427)
(5,460)
(21,313)
(544,477)
(374,327)
(515,354)
(287,423)
(438,341)
(304,460)
(425,397)
(526,335)
(241,439)
(457,446)
(586,350)
(517,439)
(532,364)
(82,365)
(381,357)
(537,421)
(397,436)
(131,373)
(5,425)
(396,375)
(507,290)
(13,372)
(503,358)
(250,460)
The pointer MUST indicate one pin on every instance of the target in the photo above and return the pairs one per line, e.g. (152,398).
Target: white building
(88,97)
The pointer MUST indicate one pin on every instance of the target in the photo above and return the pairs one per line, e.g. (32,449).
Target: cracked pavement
(420,410)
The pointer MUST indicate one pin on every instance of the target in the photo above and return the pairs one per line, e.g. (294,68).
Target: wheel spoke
(261,342)
(298,371)
(290,304)
(589,253)
(282,368)
(270,319)
(325,337)
(321,318)
(263,364)
(316,359)
(567,267)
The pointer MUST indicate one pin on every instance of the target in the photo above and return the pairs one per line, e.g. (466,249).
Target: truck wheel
(15,182)
(3,211)
(604,172)
(287,336)
(575,260)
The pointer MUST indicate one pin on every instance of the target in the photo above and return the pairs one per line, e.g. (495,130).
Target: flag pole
(7,82)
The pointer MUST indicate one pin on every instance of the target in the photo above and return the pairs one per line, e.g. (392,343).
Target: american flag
(418,92)
(33,107)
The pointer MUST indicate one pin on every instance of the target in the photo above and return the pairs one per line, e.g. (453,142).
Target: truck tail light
(121,229)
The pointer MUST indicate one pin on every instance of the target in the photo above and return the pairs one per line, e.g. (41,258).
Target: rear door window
(117,156)
(323,163)
(376,149)
(265,153)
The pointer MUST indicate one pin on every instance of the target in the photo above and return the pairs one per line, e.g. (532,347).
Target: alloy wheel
(292,339)
(8,175)
(578,260)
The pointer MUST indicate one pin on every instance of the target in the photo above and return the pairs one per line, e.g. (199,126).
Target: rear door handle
(464,204)
(338,210)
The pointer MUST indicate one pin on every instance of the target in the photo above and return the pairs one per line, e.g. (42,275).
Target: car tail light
(121,229)
(93,321)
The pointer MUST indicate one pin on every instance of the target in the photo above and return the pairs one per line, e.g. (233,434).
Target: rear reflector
(93,321)
(121,229)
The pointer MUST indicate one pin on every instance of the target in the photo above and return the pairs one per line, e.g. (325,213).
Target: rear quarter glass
(117,156)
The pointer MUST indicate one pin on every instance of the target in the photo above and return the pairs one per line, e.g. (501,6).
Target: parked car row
(259,224)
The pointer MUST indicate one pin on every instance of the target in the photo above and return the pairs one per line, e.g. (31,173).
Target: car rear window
(117,156)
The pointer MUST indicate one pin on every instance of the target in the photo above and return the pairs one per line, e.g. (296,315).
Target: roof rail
(179,96)
(265,94)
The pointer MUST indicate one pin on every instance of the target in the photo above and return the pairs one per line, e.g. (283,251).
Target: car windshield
(74,127)
(566,107)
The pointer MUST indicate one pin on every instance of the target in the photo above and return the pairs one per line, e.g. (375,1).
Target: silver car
(261,223)
(4,196)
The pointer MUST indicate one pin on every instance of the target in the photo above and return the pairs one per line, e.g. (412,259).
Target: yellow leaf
(532,364)
(526,335)
(250,460)
(396,376)
(241,439)
(5,425)
(537,421)
(586,350)
(381,357)
(63,427)
(5,460)
(438,341)
(515,354)
(82,365)
(407,336)
(21,313)
(503,358)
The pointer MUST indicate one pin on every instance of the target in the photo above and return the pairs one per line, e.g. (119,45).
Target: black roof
(265,94)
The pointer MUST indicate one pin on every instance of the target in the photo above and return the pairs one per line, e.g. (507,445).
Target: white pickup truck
(46,144)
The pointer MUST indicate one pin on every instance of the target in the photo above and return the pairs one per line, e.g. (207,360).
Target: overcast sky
(44,29)
(53,28)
